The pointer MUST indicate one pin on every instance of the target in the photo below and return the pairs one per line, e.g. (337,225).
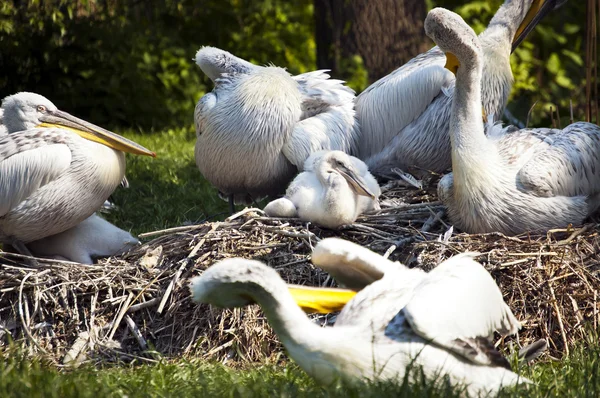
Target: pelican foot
(231,204)
(22,249)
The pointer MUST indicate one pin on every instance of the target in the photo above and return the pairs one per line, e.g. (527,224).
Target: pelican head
(536,12)
(234,282)
(237,282)
(214,62)
(340,163)
(24,111)
(451,34)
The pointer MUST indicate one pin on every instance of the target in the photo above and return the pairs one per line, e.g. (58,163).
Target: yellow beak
(89,131)
(320,300)
(537,11)
(452,63)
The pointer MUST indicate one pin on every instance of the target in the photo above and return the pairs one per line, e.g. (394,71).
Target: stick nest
(138,306)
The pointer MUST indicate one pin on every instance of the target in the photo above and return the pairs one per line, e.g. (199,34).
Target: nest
(138,306)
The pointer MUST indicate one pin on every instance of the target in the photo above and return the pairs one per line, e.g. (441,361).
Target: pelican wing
(327,120)
(390,104)
(28,161)
(518,146)
(320,92)
(3,129)
(205,104)
(569,165)
(459,306)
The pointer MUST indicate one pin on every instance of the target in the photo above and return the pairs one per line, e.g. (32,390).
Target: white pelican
(55,170)
(404,117)
(513,180)
(21,121)
(259,124)
(92,238)
(333,190)
(440,321)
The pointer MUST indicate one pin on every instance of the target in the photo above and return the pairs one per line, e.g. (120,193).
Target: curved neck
(473,156)
(507,20)
(466,123)
(289,322)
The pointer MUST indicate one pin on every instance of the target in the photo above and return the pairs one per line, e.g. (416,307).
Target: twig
(145,304)
(529,113)
(245,211)
(25,326)
(389,251)
(572,119)
(184,264)
(560,320)
(169,231)
(122,312)
(136,333)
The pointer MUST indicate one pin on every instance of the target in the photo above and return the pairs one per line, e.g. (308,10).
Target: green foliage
(130,63)
(548,66)
(167,191)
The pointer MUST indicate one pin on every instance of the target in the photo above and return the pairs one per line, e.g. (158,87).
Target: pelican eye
(41,108)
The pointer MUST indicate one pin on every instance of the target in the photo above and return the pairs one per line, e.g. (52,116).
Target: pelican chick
(405,116)
(440,322)
(94,237)
(334,190)
(56,170)
(511,180)
(259,124)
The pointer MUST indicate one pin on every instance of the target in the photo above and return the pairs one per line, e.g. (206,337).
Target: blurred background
(129,63)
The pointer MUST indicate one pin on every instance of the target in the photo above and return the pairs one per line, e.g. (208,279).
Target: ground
(169,191)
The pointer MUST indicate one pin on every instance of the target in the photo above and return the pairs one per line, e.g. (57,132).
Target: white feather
(92,238)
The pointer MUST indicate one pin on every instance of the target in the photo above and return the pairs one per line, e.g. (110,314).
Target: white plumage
(404,117)
(333,190)
(56,170)
(92,238)
(513,180)
(259,124)
(406,319)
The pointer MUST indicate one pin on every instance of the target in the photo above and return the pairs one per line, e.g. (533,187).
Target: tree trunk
(385,33)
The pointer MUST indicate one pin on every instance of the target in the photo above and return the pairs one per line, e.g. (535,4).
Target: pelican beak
(452,63)
(537,11)
(357,184)
(89,131)
(319,299)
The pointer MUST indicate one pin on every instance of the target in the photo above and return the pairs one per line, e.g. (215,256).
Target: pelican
(92,238)
(259,124)
(56,170)
(511,180)
(440,322)
(334,190)
(404,116)
(22,122)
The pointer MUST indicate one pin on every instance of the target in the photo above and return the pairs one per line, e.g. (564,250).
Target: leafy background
(128,64)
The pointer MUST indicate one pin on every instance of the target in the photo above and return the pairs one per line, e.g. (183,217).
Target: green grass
(165,191)
(578,376)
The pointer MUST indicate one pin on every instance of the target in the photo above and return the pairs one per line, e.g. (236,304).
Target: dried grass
(138,306)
